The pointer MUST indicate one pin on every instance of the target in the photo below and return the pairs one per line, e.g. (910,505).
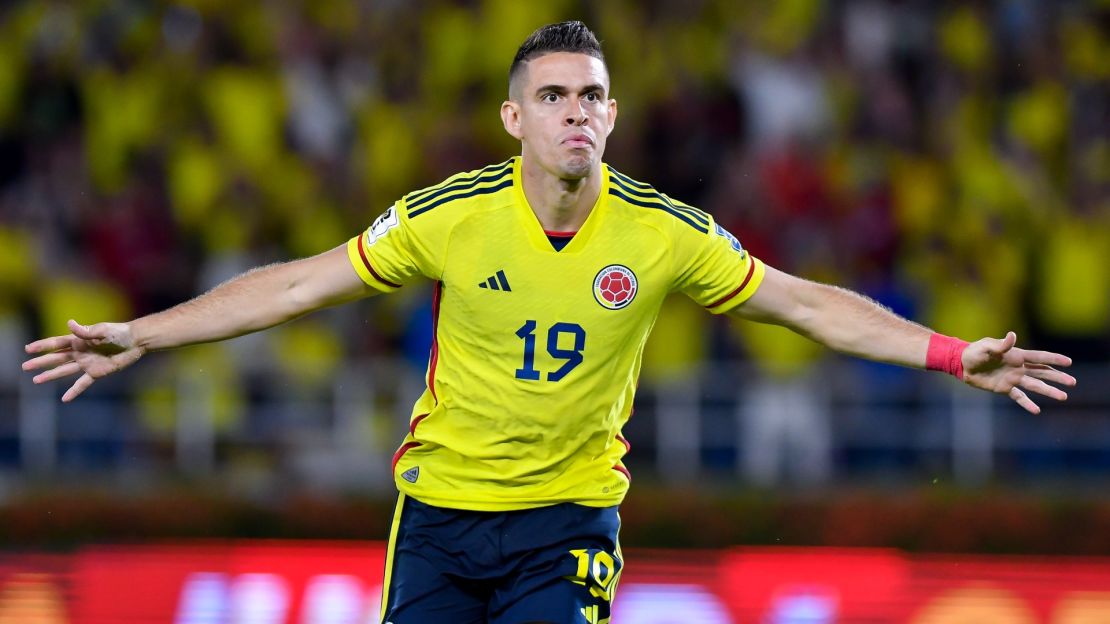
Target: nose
(577,116)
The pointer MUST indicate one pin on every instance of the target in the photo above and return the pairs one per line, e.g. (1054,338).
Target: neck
(561,205)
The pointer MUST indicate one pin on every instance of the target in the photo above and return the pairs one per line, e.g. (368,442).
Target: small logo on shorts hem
(412,474)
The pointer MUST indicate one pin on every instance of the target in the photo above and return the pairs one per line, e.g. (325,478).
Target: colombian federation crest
(615,286)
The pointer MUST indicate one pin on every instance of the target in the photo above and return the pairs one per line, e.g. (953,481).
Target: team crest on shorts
(615,286)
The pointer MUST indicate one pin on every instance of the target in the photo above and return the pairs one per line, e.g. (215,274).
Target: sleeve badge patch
(732,240)
(387,221)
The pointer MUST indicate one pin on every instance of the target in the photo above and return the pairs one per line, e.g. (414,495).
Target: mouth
(578,141)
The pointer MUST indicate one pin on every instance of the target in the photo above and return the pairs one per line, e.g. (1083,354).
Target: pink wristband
(946,354)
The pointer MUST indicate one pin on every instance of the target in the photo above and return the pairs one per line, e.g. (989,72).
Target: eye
(593,96)
(550,97)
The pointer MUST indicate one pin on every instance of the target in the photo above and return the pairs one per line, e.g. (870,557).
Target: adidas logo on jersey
(496,282)
(412,474)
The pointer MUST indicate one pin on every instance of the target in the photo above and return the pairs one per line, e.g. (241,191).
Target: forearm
(855,325)
(837,318)
(249,302)
(258,299)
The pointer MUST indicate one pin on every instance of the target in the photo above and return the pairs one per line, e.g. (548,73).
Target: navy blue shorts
(557,564)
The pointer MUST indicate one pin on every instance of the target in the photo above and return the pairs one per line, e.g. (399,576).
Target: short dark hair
(571,36)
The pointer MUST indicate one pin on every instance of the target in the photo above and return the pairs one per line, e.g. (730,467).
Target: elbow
(804,312)
(293,294)
(296,299)
(805,320)
(823,313)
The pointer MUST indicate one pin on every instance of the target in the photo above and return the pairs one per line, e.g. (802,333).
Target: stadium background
(949,159)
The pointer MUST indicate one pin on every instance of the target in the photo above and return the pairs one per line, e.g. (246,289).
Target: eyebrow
(561,90)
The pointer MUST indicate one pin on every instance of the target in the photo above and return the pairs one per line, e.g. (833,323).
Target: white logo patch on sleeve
(382,225)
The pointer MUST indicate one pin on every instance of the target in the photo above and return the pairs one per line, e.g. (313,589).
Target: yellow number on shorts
(599,569)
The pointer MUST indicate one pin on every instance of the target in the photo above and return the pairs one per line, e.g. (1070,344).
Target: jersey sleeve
(713,269)
(394,251)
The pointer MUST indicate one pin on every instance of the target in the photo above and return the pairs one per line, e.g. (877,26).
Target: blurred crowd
(949,159)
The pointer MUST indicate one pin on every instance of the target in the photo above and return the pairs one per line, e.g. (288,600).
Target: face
(562,114)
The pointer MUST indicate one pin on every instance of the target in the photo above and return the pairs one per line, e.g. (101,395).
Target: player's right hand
(93,350)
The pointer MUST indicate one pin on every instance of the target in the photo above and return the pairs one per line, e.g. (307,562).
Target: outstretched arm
(853,324)
(255,300)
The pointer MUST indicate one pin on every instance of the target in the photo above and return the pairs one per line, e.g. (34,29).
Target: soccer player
(549,271)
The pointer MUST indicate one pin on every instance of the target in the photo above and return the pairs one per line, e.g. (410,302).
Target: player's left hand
(998,366)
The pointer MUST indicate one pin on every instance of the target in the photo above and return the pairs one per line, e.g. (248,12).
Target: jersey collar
(534,229)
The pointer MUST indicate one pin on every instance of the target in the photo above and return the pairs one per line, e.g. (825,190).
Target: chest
(604,291)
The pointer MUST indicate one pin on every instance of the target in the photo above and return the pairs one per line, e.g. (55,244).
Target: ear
(612,115)
(510,118)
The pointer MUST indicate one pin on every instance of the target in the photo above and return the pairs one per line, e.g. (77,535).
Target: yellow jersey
(536,352)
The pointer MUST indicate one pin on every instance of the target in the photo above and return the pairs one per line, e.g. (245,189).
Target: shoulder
(488,185)
(646,203)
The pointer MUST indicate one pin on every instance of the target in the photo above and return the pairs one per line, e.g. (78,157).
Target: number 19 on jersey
(572,356)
